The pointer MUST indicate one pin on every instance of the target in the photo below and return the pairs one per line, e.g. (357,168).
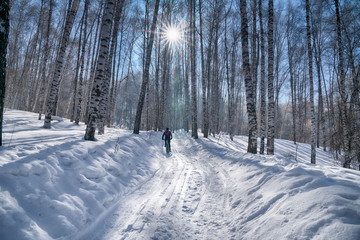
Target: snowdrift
(55,185)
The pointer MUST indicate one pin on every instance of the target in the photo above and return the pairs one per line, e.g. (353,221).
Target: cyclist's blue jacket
(167,135)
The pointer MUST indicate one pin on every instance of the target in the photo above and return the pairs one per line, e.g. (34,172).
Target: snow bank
(55,185)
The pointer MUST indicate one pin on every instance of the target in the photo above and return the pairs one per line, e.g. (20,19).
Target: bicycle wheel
(167,147)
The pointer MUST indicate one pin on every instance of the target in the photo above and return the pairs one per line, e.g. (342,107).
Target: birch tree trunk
(343,97)
(40,99)
(271,103)
(105,34)
(250,97)
(187,91)
(262,84)
(75,83)
(205,125)
(254,61)
(193,71)
(291,73)
(312,108)
(4,36)
(82,62)
(145,81)
(59,63)
(106,82)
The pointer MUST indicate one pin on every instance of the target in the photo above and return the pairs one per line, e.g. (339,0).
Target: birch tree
(312,107)
(4,36)
(262,83)
(41,95)
(106,83)
(194,132)
(60,62)
(105,34)
(145,77)
(343,96)
(82,62)
(250,96)
(271,103)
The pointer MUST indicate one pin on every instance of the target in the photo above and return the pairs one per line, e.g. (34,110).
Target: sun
(173,34)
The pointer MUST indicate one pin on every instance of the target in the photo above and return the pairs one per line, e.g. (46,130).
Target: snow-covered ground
(55,185)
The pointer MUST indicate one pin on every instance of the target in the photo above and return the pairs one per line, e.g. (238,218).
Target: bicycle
(167,145)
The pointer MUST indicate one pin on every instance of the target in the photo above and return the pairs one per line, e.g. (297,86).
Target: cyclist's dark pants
(168,140)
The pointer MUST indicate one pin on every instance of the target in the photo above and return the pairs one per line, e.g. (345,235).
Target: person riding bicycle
(167,136)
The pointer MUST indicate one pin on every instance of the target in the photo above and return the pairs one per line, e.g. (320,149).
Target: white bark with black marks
(105,34)
(270,145)
(50,106)
(250,93)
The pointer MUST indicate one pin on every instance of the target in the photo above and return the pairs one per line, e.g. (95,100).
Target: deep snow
(55,185)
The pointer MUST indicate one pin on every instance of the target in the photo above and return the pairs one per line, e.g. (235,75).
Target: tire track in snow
(186,198)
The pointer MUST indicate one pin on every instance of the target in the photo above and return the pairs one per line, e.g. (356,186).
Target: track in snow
(186,198)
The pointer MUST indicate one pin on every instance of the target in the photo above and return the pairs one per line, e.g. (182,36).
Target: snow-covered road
(186,198)
(55,185)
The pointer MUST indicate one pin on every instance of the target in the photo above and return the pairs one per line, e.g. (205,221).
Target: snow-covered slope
(55,185)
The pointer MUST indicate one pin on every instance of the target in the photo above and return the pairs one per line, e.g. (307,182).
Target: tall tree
(262,84)
(193,69)
(249,85)
(271,103)
(290,52)
(82,62)
(41,96)
(343,97)
(50,106)
(105,34)
(312,108)
(4,36)
(145,80)
(104,108)
(205,114)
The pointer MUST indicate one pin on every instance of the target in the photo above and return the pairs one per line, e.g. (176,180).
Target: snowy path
(186,198)
(55,185)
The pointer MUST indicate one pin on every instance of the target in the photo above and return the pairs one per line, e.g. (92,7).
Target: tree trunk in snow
(187,91)
(292,80)
(105,33)
(205,120)
(342,86)
(193,72)
(4,36)
(262,84)
(41,97)
(59,63)
(312,108)
(250,93)
(145,81)
(82,62)
(271,103)
(106,82)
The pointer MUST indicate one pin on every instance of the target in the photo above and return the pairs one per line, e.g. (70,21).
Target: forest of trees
(266,69)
